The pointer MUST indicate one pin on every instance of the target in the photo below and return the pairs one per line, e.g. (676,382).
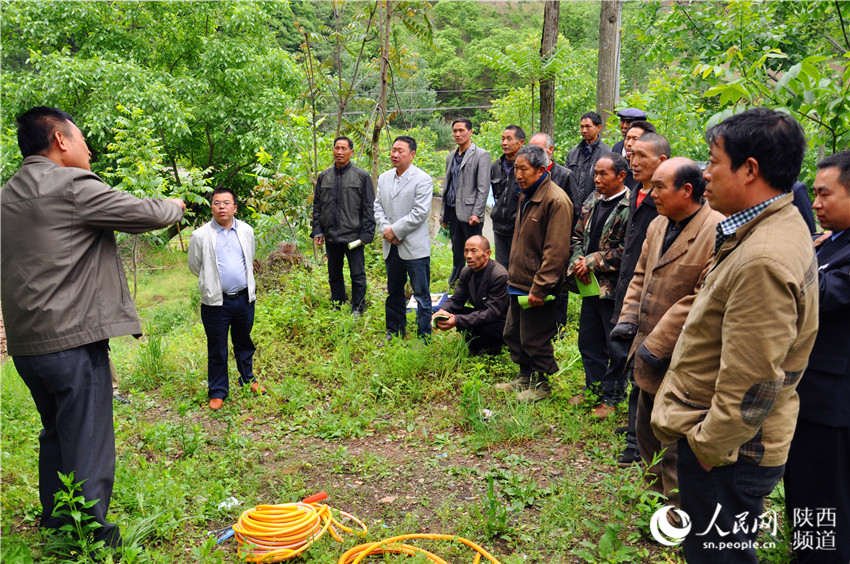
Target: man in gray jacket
(465,192)
(402,208)
(64,295)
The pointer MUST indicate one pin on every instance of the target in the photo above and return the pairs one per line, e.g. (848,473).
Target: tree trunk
(548,42)
(608,70)
(338,65)
(381,110)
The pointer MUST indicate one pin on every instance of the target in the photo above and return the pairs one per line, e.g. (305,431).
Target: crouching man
(484,283)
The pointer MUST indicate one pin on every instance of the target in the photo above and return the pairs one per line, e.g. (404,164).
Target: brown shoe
(216,403)
(515,385)
(538,389)
(603,410)
(577,399)
(258,388)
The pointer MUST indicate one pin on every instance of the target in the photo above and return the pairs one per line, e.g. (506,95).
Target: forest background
(176,98)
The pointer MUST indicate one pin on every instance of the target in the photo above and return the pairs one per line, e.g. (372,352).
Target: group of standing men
(711,307)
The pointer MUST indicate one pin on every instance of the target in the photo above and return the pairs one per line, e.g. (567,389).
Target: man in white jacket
(221,254)
(402,208)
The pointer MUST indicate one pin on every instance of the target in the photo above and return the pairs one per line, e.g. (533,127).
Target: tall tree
(609,57)
(381,107)
(548,42)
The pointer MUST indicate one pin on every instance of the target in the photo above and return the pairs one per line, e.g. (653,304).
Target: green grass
(409,437)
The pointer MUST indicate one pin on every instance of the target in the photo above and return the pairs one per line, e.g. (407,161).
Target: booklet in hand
(590,289)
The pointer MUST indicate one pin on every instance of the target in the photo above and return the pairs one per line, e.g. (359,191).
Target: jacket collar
(686,237)
(466,154)
(534,192)
(741,232)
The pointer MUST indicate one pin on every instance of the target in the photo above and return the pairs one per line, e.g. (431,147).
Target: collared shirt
(729,226)
(454,172)
(229,259)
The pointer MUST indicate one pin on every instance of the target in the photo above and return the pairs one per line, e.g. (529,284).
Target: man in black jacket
(647,153)
(817,490)
(484,284)
(583,157)
(506,192)
(343,221)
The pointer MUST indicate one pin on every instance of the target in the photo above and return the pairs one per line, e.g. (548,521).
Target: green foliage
(74,541)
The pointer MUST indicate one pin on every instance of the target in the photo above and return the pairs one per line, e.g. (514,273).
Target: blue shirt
(229,259)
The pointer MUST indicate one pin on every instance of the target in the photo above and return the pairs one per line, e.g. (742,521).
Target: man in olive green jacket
(729,398)
(679,245)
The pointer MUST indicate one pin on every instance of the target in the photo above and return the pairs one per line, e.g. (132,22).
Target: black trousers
(594,345)
(528,334)
(72,391)
(234,316)
(459,232)
(714,499)
(503,248)
(483,337)
(817,493)
(337,253)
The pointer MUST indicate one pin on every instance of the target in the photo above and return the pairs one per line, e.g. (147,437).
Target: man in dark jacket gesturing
(64,296)
(343,221)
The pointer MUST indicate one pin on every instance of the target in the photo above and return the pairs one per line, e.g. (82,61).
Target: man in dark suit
(483,283)
(817,487)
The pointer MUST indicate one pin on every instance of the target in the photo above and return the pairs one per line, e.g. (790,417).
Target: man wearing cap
(627,116)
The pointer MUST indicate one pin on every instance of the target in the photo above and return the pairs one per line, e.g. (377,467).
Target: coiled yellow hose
(274,533)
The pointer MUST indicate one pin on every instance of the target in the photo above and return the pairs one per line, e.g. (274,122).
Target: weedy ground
(407,436)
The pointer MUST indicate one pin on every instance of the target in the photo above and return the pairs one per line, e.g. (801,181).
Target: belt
(242,292)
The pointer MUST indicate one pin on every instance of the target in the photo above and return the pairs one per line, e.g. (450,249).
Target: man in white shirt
(221,254)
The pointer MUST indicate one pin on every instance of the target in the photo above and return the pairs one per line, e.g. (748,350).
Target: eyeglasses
(218,204)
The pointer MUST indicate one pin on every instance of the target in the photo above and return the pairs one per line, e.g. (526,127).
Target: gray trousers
(72,390)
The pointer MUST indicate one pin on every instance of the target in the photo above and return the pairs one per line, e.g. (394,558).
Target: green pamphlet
(590,289)
(523,300)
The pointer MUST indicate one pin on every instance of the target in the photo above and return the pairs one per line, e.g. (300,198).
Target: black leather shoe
(628,457)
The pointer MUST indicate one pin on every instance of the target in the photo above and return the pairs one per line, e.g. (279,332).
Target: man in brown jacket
(64,295)
(539,254)
(678,247)
(729,397)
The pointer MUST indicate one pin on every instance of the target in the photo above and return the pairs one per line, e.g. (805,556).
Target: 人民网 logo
(664,531)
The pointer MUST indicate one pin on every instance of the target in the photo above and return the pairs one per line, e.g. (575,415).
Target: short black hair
(689,172)
(774,139)
(518,131)
(344,138)
(592,116)
(411,142)
(464,121)
(223,190)
(841,161)
(642,124)
(36,127)
(659,143)
(535,156)
(619,163)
